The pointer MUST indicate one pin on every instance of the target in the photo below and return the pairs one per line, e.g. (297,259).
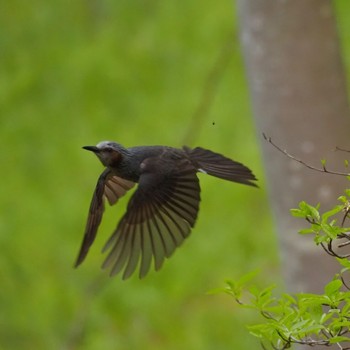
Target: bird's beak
(92,149)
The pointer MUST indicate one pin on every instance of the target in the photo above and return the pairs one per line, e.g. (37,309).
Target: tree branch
(321,170)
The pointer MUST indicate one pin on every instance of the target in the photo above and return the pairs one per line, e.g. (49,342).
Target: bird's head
(110,153)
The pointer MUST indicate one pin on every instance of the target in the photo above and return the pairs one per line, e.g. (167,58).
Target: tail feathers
(217,165)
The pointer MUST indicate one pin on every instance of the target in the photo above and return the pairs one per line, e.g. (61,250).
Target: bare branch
(321,170)
(344,283)
(341,149)
(329,249)
(341,245)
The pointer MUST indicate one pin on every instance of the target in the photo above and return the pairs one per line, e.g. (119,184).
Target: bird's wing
(116,187)
(159,217)
(216,164)
(111,187)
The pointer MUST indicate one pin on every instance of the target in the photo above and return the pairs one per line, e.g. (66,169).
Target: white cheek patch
(202,171)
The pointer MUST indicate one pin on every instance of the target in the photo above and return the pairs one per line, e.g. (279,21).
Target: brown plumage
(163,209)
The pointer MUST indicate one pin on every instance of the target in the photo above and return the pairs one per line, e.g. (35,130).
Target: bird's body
(129,165)
(162,210)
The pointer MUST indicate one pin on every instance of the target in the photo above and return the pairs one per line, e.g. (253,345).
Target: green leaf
(343,199)
(331,231)
(333,287)
(290,298)
(300,325)
(320,239)
(306,231)
(314,328)
(332,212)
(306,211)
(344,262)
(325,317)
(247,277)
(297,213)
(339,339)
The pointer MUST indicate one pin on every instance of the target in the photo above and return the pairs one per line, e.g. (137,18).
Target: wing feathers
(94,218)
(161,212)
(116,187)
(220,166)
(159,217)
(111,187)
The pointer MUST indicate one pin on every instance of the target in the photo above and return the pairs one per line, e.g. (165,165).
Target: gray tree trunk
(299,98)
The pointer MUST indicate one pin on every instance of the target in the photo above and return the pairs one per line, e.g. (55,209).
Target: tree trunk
(299,99)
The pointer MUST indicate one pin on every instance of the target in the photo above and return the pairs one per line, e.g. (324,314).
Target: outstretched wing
(216,164)
(112,187)
(159,217)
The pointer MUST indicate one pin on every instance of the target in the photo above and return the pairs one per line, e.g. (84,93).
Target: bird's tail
(217,165)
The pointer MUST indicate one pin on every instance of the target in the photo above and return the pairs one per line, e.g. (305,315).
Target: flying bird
(163,209)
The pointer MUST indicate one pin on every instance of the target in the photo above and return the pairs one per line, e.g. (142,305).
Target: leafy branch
(308,319)
(305,318)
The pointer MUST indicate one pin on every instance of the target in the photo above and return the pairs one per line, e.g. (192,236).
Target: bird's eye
(108,149)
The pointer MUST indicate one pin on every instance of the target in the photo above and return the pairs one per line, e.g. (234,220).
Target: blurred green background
(74,73)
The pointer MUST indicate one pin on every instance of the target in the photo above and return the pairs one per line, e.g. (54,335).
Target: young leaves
(305,318)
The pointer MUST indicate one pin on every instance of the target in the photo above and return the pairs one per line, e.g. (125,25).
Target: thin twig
(341,149)
(329,250)
(341,245)
(321,170)
(343,281)
(326,249)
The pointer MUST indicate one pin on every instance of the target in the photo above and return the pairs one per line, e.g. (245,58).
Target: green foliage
(321,226)
(304,318)
(77,72)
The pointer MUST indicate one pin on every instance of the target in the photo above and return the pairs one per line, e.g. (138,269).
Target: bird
(162,210)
